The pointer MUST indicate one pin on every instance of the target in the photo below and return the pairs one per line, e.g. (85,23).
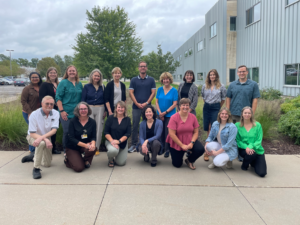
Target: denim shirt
(227,135)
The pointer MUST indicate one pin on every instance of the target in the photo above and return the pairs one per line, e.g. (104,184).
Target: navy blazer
(157,132)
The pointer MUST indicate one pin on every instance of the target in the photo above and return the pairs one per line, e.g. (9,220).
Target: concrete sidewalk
(140,194)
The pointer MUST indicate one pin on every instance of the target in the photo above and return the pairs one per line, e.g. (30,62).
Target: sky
(43,28)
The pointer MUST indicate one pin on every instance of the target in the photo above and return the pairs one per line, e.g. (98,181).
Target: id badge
(84,136)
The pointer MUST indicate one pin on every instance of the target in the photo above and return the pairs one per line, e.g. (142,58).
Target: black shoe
(146,158)
(87,165)
(167,154)
(36,173)
(244,167)
(55,151)
(153,164)
(28,158)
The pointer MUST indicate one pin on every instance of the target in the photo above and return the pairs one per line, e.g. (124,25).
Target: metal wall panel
(271,42)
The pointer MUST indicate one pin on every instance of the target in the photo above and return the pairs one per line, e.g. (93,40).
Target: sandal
(190,165)
(111,164)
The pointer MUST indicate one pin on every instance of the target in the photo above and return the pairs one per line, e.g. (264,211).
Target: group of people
(170,129)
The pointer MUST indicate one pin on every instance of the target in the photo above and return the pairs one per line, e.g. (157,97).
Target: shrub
(270,93)
(13,128)
(289,124)
(290,104)
(199,90)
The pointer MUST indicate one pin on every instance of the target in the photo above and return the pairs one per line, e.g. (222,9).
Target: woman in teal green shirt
(68,95)
(249,138)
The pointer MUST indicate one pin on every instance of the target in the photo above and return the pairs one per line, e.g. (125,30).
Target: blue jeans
(25,116)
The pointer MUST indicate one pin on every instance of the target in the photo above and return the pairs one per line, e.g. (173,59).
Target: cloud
(41,28)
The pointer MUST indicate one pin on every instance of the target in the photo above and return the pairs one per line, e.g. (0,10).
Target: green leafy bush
(199,90)
(13,128)
(289,124)
(270,93)
(290,104)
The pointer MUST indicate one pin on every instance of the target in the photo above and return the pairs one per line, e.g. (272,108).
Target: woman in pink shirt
(183,136)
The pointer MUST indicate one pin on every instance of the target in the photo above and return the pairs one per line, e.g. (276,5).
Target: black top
(150,132)
(109,93)
(78,133)
(47,89)
(185,90)
(117,130)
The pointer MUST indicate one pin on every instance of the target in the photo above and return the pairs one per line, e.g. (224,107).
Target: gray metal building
(264,35)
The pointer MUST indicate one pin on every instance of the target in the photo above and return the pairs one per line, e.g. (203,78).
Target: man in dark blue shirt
(141,90)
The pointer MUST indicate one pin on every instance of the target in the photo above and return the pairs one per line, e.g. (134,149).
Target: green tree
(5,68)
(22,62)
(4,57)
(158,63)
(44,64)
(34,62)
(110,41)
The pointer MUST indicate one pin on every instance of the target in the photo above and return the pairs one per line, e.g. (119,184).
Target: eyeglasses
(242,71)
(52,73)
(34,78)
(142,66)
(47,104)
(83,109)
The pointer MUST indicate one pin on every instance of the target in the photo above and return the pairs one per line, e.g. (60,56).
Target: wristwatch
(193,142)
(119,141)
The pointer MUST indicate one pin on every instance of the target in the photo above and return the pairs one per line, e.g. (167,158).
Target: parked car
(8,81)
(21,82)
(2,82)
(291,72)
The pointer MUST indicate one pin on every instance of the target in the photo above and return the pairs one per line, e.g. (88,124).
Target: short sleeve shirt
(242,95)
(184,130)
(166,101)
(41,124)
(142,88)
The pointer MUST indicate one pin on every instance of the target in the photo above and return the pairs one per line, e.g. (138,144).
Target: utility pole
(10,60)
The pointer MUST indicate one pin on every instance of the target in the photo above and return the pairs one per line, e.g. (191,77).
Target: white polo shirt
(41,124)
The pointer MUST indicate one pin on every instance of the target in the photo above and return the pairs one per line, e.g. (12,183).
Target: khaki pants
(42,155)
(119,155)
(97,115)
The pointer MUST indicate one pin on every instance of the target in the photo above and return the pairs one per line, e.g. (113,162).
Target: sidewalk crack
(12,160)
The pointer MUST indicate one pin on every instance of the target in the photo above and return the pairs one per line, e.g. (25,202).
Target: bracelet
(120,141)
(61,110)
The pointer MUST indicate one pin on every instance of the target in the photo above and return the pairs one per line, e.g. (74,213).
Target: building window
(253,14)
(190,51)
(288,2)
(186,54)
(180,57)
(253,74)
(200,46)
(200,76)
(292,74)
(213,30)
(233,23)
(180,76)
(232,73)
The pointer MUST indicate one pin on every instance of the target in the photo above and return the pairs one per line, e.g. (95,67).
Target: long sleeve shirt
(92,96)
(78,133)
(251,139)
(116,130)
(69,95)
(30,99)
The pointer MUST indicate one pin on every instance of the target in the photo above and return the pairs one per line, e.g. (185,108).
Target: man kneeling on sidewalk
(43,123)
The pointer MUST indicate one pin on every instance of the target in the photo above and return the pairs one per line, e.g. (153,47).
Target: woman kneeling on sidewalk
(81,139)
(249,140)
(183,136)
(150,135)
(117,130)
(221,144)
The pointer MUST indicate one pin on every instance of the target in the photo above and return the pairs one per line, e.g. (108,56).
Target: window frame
(287,4)
(186,53)
(198,79)
(214,35)
(230,23)
(250,74)
(253,22)
(190,52)
(199,48)
(234,74)
(284,71)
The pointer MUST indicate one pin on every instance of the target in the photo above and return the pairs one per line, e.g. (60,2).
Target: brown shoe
(206,157)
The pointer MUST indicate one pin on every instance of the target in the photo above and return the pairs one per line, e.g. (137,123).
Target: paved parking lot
(9,92)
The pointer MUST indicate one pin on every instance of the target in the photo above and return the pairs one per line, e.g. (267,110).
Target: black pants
(256,161)
(165,133)
(53,141)
(177,156)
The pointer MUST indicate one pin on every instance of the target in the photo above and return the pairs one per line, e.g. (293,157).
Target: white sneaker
(229,165)
(211,166)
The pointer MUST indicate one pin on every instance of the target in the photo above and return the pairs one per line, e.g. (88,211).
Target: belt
(212,103)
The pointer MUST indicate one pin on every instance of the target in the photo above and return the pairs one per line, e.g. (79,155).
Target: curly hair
(184,101)
(166,75)
(76,110)
(208,81)
(144,112)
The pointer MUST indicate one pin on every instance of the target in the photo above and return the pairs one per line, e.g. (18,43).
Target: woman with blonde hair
(93,94)
(115,91)
(68,95)
(166,101)
(214,95)
(117,131)
(221,144)
(49,88)
(249,138)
